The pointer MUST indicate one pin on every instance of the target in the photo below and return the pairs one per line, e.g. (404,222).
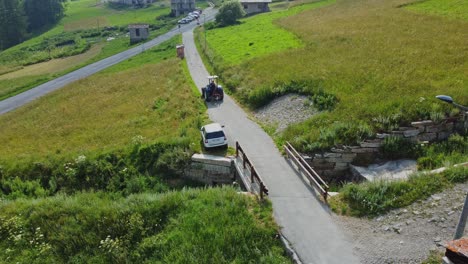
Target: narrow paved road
(16,101)
(305,222)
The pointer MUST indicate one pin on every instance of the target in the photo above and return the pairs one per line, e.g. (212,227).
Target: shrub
(394,147)
(229,12)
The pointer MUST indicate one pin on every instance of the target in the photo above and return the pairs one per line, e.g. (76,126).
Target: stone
(365,150)
(380,218)
(371,144)
(436,198)
(331,155)
(411,133)
(437,239)
(443,135)
(434,129)
(427,137)
(382,135)
(416,212)
(422,123)
(451,212)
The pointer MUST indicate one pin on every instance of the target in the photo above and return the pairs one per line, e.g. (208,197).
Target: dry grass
(105,111)
(55,65)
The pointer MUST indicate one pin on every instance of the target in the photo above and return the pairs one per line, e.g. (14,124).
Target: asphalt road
(305,222)
(19,100)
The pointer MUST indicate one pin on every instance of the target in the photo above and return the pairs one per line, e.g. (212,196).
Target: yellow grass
(55,65)
(105,111)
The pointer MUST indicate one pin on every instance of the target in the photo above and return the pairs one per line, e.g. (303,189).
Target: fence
(314,179)
(254,177)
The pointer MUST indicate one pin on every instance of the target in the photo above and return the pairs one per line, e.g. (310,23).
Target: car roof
(213,127)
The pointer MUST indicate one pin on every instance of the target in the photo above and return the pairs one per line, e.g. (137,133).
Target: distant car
(213,136)
(183,21)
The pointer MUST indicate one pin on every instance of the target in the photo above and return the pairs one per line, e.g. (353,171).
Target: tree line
(20,18)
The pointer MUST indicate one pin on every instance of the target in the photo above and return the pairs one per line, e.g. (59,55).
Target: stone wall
(334,165)
(211,170)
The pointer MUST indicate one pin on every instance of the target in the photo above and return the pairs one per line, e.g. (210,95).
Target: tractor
(212,91)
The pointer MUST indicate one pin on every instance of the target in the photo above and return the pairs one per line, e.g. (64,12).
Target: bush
(394,147)
(229,12)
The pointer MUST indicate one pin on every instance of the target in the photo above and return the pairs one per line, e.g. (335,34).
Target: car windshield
(216,134)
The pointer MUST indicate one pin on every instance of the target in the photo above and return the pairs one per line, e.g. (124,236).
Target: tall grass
(190,226)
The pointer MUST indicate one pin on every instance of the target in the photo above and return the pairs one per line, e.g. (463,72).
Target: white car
(213,136)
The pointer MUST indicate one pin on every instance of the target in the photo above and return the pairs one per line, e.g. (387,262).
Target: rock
(436,198)
(451,212)
(432,220)
(379,219)
(405,211)
(386,228)
(437,239)
(408,222)
(401,242)
(416,212)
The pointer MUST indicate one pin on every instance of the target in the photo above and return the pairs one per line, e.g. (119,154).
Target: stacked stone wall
(334,165)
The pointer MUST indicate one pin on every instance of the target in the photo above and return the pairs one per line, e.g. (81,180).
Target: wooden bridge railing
(313,177)
(254,177)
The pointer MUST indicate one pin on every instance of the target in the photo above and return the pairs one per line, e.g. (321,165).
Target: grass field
(84,26)
(256,36)
(139,98)
(379,60)
(456,9)
(190,226)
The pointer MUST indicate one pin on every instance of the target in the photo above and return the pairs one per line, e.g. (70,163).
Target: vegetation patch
(196,226)
(375,69)
(455,9)
(105,118)
(373,198)
(255,36)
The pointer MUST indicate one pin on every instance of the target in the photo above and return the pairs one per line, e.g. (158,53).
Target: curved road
(304,220)
(16,101)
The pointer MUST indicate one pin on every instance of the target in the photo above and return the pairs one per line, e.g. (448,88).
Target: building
(138,32)
(255,6)
(180,7)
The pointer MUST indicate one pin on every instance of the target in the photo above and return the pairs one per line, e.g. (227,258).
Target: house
(180,7)
(255,6)
(138,32)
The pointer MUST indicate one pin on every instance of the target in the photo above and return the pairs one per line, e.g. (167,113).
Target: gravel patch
(286,110)
(407,235)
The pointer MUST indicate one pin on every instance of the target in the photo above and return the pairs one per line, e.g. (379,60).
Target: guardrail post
(252,172)
(237,149)
(261,190)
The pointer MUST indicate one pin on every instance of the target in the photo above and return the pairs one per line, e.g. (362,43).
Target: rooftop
(138,26)
(213,127)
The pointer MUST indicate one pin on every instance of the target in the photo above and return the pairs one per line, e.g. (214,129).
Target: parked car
(183,21)
(213,136)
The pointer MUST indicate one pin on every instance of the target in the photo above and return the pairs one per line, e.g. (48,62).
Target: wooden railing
(254,177)
(313,177)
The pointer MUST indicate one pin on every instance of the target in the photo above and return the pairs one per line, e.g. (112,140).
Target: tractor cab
(213,91)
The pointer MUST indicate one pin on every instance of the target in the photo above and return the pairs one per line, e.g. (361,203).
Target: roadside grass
(54,65)
(190,226)
(255,36)
(373,198)
(139,98)
(449,8)
(378,60)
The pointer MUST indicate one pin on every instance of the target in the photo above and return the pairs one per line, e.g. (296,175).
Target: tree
(43,12)
(13,23)
(229,12)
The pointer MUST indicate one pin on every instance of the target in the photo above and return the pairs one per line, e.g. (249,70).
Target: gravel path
(408,234)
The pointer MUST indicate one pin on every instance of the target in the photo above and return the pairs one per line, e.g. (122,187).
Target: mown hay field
(377,58)
(139,98)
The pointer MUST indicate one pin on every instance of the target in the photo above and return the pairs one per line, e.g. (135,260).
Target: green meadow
(255,36)
(138,98)
(456,9)
(368,64)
